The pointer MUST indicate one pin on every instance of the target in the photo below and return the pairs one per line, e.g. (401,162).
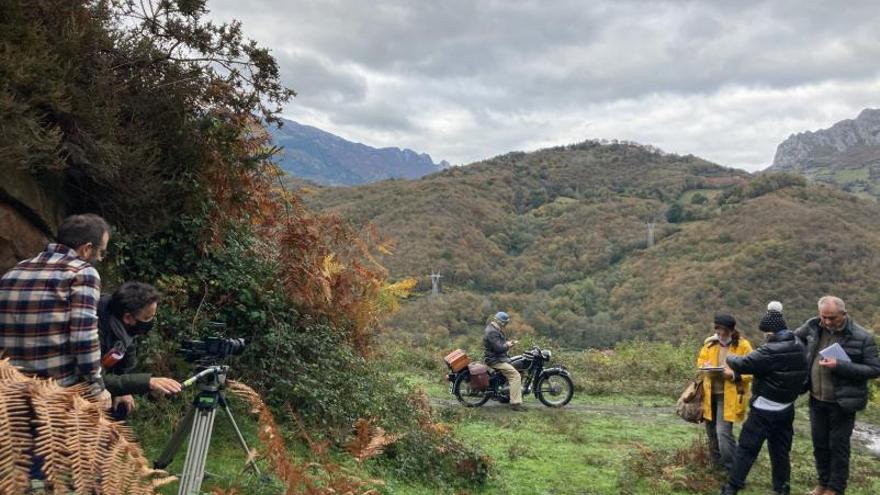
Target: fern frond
(83,451)
(15,459)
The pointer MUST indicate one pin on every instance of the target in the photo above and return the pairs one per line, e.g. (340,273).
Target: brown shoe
(829,491)
(819,490)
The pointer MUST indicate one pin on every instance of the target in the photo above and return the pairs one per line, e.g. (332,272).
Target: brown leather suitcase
(479,376)
(457,360)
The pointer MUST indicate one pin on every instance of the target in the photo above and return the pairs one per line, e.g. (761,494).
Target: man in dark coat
(779,368)
(838,387)
(496,346)
(122,318)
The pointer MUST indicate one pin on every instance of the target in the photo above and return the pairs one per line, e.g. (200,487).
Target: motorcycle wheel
(554,390)
(462,391)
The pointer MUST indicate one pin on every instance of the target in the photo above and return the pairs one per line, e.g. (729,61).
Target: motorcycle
(552,386)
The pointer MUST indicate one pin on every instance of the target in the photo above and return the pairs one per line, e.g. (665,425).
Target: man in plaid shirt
(48,307)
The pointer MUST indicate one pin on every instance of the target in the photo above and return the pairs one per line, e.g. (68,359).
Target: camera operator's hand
(126,401)
(164,386)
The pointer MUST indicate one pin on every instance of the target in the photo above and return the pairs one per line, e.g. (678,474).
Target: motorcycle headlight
(546,355)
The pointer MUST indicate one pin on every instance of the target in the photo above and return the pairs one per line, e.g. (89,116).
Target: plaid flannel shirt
(49,319)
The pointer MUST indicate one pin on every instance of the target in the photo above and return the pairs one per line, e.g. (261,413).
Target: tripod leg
(197,452)
(240,437)
(174,444)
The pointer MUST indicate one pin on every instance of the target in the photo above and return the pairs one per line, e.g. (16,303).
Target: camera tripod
(199,423)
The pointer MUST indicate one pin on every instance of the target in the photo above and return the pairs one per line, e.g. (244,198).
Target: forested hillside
(559,237)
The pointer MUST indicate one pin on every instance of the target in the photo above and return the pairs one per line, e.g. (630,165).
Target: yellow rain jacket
(736,396)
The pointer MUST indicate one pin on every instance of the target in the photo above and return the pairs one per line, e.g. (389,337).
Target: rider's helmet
(502,318)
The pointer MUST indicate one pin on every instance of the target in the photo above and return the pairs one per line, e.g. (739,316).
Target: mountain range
(846,155)
(324,158)
(559,238)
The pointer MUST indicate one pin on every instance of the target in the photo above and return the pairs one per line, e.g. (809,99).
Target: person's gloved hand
(164,386)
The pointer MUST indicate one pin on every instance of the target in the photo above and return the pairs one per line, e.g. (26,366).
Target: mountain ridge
(846,155)
(322,157)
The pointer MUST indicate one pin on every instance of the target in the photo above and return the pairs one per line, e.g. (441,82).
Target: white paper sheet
(835,351)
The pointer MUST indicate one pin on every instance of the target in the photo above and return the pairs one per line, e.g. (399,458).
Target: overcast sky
(465,80)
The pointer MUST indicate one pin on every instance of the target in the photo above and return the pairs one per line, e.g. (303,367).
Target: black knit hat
(725,320)
(773,322)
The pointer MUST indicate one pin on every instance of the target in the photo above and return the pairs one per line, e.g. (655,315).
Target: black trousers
(776,428)
(832,427)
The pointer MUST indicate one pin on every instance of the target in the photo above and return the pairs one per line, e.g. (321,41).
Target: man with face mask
(123,317)
(838,388)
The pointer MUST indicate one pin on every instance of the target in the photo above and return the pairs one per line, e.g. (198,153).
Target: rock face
(846,154)
(29,215)
(327,159)
(19,239)
(830,145)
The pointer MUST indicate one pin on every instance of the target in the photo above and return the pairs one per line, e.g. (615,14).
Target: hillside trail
(865,435)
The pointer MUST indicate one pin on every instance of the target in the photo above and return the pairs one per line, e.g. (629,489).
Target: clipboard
(835,351)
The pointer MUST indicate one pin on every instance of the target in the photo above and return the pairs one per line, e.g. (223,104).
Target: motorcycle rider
(496,346)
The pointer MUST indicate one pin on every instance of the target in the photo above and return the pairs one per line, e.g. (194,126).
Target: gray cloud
(465,79)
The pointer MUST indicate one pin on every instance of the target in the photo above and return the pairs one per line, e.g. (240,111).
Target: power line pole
(651,226)
(435,283)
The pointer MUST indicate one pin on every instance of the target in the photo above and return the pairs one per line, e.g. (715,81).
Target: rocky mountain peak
(840,145)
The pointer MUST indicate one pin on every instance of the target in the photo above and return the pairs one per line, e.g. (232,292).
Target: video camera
(211,349)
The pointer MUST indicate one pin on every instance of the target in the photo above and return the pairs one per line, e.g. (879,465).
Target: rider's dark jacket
(495,345)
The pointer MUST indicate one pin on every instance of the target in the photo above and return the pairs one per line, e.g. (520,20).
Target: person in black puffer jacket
(838,388)
(779,368)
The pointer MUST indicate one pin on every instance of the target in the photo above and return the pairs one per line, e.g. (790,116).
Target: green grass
(845,175)
(620,444)
(710,194)
(560,452)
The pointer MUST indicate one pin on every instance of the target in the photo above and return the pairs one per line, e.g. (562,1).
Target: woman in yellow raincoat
(724,399)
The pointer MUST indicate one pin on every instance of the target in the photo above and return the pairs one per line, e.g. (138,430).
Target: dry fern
(84,452)
(15,462)
(369,441)
(311,478)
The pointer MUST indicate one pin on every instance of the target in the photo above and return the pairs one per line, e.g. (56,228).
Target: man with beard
(49,303)
(48,312)
(838,388)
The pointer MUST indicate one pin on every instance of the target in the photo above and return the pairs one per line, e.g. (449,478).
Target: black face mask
(141,327)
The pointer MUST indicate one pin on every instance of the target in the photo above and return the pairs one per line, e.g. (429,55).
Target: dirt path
(865,435)
(628,410)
